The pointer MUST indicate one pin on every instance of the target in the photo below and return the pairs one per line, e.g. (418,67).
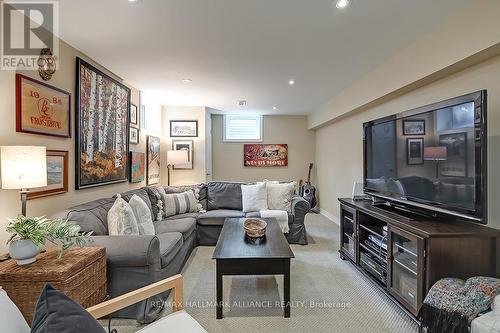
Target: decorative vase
(24,251)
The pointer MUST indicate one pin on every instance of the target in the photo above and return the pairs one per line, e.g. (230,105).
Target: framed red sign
(41,108)
(265,155)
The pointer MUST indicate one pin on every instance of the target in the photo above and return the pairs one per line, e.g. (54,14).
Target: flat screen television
(431,159)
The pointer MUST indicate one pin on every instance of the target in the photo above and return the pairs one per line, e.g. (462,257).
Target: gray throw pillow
(56,312)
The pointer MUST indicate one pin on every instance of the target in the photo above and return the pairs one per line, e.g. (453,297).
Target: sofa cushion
(217,217)
(200,188)
(183,216)
(185,226)
(252,214)
(224,195)
(90,216)
(56,312)
(180,203)
(156,202)
(179,321)
(170,244)
(141,193)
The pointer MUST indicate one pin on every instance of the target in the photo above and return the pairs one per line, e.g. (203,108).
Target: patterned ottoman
(452,304)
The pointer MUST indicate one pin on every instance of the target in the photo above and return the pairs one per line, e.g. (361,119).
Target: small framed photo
(415,151)
(134,117)
(184,145)
(184,128)
(413,127)
(134,135)
(57,175)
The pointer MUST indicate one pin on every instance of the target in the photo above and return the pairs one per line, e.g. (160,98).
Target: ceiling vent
(242,102)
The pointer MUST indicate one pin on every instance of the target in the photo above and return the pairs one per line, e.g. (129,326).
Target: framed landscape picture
(153,157)
(137,165)
(265,155)
(57,175)
(134,116)
(134,135)
(456,160)
(184,145)
(413,127)
(102,127)
(415,151)
(183,128)
(41,108)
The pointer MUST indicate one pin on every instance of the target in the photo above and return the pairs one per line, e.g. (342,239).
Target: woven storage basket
(81,275)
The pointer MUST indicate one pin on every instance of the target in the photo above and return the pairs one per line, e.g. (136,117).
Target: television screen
(433,156)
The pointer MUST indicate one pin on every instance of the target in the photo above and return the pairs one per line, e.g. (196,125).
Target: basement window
(243,128)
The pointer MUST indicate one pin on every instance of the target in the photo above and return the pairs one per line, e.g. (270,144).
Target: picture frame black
(79,130)
(413,127)
(415,151)
(134,136)
(134,115)
(190,128)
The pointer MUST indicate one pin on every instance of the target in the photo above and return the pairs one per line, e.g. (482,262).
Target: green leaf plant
(41,229)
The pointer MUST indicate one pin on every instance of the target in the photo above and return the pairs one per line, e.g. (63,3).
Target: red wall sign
(259,155)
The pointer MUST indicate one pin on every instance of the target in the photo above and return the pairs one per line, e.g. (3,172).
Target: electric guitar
(307,191)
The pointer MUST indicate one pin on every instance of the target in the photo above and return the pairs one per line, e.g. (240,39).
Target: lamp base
(24,195)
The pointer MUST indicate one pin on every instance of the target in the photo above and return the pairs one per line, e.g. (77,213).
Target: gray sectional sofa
(136,261)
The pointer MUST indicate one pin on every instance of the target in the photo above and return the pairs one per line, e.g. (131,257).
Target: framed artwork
(456,161)
(413,127)
(415,151)
(184,145)
(184,128)
(137,165)
(134,116)
(102,124)
(42,108)
(265,155)
(153,157)
(134,135)
(57,175)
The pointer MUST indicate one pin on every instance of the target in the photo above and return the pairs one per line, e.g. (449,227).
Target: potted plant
(29,235)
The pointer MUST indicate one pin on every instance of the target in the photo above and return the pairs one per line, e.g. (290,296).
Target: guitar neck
(309,174)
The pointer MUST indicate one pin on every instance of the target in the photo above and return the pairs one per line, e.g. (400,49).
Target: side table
(81,275)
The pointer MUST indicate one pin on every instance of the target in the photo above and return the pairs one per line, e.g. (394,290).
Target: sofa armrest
(300,207)
(130,251)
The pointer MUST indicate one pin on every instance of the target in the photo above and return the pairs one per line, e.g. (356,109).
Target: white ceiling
(246,49)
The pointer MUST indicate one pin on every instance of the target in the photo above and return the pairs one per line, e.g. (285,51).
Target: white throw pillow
(121,219)
(279,196)
(254,197)
(11,318)
(142,215)
(180,203)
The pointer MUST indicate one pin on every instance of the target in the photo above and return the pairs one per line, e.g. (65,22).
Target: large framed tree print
(102,128)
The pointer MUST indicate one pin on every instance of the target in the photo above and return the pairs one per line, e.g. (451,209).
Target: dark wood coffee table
(235,254)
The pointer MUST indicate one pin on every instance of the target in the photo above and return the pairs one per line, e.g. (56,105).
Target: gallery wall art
(42,108)
(137,166)
(265,155)
(102,127)
(184,145)
(415,151)
(183,128)
(153,157)
(57,175)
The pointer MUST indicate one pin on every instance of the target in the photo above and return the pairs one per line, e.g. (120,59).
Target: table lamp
(176,157)
(436,154)
(22,168)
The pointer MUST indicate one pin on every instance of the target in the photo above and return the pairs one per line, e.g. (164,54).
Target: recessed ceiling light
(275,108)
(291,82)
(242,102)
(187,80)
(342,3)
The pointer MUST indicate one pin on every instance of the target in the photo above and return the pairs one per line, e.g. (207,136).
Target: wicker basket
(81,275)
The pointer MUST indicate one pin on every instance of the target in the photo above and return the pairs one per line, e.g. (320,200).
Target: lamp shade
(177,157)
(435,153)
(23,167)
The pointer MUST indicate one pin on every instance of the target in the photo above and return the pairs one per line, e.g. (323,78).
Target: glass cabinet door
(406,268)
(348,233)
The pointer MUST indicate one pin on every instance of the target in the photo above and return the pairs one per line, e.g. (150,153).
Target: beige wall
(292,130)
(339,145)
(64,78)
(197,174)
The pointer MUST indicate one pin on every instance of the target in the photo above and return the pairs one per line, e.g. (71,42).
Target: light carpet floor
(328,294)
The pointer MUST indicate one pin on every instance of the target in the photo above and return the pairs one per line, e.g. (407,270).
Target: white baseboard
(330,216)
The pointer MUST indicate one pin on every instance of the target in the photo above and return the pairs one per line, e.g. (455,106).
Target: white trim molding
(330,216)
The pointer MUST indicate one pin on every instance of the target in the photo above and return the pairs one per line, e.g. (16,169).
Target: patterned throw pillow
(156,202)
(121,219)
(180,203)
